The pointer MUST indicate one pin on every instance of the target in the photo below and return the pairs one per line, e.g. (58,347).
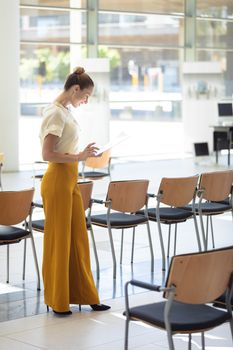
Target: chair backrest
(86,192)
(178,191)
(216,185)
(99,162)
(15,206)
(201,277)
(128,196)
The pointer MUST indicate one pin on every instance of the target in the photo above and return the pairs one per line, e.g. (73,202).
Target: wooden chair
(101,167)
(123,200)
(1,165)
(86,192)
(15,208)
(174,193)
(193,281)
(215,198)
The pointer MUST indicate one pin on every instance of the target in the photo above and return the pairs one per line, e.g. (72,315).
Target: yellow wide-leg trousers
(66,258)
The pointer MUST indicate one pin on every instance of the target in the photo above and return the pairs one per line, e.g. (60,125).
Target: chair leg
(122,241)
(197,233)
(132,250)
(175,238)
(202,341)
(190,342)
(161,244)
(231,327)
(24,258)
(35,260)
(113,251)
(212,231)
(95,253)
(126,333)
(168,241)
(203,231)
(150,245)
(170,341)
(8,263)
(207,231)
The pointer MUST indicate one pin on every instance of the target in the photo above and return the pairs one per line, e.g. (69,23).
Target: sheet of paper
(120,138)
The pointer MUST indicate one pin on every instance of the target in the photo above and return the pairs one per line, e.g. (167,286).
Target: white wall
(200,108)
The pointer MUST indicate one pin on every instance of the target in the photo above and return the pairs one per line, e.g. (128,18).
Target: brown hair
(78,77)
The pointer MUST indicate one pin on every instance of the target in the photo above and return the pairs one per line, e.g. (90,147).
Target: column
(190,30)
(9,88)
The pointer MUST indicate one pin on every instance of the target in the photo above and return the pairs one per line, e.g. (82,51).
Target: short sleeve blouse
(58,120)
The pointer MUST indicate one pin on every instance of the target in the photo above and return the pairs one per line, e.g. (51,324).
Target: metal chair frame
(109,226)
(183,289)
(28,234)
(159,200)
(201,192)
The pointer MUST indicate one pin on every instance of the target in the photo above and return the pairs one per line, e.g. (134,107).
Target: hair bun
(79,70)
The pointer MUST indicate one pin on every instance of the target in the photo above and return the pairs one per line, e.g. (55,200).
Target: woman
(66,261)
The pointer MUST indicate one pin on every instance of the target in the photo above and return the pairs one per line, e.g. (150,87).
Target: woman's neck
(63,99)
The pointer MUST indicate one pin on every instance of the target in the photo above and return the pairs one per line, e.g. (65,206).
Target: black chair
(15,208)
(99,167)
(174,193)
(223,140)
(215,198)
(123,200)
(193,281)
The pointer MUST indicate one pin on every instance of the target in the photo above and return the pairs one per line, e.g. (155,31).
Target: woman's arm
(48,153)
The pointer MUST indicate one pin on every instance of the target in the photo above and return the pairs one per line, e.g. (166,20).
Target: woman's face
(80,96)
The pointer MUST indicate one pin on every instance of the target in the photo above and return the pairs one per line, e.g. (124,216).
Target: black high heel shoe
(61,313)
(96,307)
(100,307)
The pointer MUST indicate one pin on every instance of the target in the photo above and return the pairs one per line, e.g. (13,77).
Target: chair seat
(118,220)
(221,301)
(38,203)
(39,176)
(93,174)
(11,233)
(38,225)
(211,207)
(226,201)
(168,214)
(202,316)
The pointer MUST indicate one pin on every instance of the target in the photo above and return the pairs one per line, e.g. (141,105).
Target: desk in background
(223,139)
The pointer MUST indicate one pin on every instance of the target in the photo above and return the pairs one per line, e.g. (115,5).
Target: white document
(120,138)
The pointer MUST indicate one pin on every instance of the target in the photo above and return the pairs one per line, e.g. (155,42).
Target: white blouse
(58,120)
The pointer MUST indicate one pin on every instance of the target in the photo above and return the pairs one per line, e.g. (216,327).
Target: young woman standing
(66,259)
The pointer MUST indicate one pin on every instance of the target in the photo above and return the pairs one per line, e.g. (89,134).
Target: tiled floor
(25,324)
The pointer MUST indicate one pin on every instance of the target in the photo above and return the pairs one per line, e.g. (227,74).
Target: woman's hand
(89,151)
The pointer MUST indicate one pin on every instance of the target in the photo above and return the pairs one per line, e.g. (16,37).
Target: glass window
(140,29)
(56,3)
(43,70)
(214,34)
(145,84)
(53,26)
(215,8)
(169,6)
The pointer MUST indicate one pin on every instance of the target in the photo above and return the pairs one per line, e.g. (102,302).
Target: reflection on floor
(25,324)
